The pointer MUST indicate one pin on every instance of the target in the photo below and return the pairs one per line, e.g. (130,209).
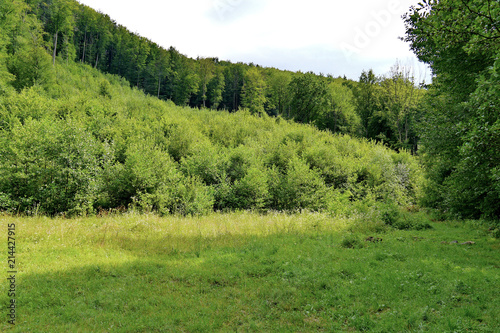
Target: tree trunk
(159,78)
(55,49)
(84,46)
(204,93)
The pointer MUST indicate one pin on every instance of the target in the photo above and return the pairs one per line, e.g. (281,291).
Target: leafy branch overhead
(460,40)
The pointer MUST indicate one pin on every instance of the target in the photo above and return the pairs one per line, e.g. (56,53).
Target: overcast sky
(335,37)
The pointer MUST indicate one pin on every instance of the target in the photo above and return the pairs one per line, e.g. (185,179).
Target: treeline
(381,108)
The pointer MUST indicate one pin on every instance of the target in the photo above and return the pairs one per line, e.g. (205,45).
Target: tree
(140,51)
(399,100)
(61,21)
(183,81)
(9,12)
(278,99)
(216,89)
(27,60)
(234,82)
(159,66)
(254,91)
(309,97)
(92,35)
(475,182)
(366,101)
(458,39)
(460,42)
(341,116)
(206,68)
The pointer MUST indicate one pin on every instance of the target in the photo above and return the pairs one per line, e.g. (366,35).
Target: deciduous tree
(460,40)
(253,94)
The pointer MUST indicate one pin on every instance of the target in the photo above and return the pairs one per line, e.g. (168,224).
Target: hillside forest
(94,117)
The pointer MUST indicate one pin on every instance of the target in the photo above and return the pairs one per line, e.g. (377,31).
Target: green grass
(249,272)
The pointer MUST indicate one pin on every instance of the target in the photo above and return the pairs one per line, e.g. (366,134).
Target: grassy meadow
(243,271)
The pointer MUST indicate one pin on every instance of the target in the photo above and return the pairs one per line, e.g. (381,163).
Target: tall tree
(182,79)
(340,116)
(159,67)
(366,100)
(216,89)
(61,22)
(206,68)
(400,96)
(254,91)
(140,48)
(278,100)
(27,59)
(234,82)
(9,14)
(460,40)
(309,97)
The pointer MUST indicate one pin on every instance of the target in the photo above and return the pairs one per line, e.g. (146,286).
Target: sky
(336,37)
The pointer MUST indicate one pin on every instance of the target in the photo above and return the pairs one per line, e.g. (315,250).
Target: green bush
(53,165)
(251,191)
(192,197)
(351,241)
(395,217)
(299,188)
(206,162)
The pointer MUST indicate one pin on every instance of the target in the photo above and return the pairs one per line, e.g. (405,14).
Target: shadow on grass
(280,282)
(207,284)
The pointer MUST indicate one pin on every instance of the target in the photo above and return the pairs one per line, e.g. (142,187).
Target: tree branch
(488,17)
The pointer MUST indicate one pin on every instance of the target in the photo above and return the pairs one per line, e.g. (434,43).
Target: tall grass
(251,272)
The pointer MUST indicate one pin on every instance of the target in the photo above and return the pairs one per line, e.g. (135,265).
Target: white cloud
(337,37)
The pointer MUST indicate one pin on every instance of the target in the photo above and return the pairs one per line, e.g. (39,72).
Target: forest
(94,117)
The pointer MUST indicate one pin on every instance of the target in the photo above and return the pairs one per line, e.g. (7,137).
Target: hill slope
(88,141)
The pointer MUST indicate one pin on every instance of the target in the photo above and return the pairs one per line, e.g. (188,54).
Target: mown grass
(249,272)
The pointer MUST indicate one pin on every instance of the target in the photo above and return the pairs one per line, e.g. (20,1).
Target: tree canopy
(460,40)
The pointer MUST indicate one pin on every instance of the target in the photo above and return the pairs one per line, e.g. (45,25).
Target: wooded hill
(92,142)
(74,140)
(381,108)
(92,131)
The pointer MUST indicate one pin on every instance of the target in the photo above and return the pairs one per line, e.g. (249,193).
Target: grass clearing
(249,272)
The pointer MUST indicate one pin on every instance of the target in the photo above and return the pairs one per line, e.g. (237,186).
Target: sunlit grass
(98,238)
(250,272)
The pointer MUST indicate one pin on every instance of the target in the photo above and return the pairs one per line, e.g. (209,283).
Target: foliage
(253,93)
(76,141)
(309,99)
(459,131)
(74,32)
(475,183)
(49,165)
(388,107)
(393,216)
(103,145)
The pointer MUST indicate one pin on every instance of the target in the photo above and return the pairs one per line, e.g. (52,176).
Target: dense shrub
(395,217)
(159,186)
(251,191)
(351,241)
(49,165)
(94,143)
